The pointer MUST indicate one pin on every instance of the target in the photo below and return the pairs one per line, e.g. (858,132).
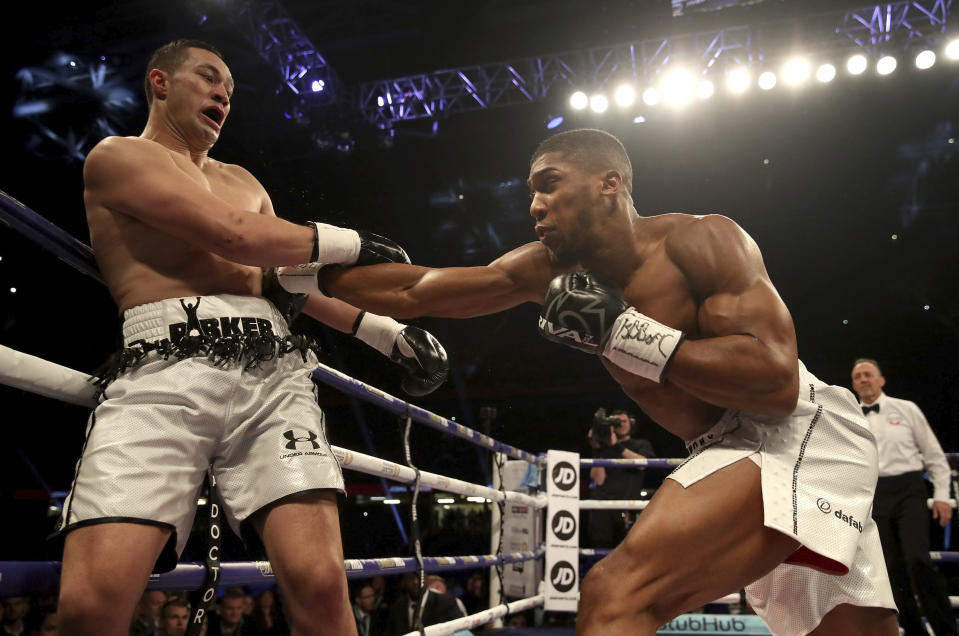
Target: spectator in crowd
(437,608)
(229,621)
(364,601)
(907,447)
(381,606)
(248,604)
(146,617)
(475,599)
(610,437)
(438,584)
(15,610)
(174,618)
(44,622)
(267,618)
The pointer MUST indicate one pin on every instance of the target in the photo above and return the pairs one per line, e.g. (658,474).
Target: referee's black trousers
(902,514)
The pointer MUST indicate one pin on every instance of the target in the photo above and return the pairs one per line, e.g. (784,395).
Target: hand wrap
(417,351)
(338,246)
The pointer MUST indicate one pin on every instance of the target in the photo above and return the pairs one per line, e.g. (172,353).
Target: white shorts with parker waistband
(160,425)
(819,468)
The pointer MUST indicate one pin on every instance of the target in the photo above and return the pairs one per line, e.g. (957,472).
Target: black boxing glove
(587,313)
(417,351)
(290,305)
(338,246)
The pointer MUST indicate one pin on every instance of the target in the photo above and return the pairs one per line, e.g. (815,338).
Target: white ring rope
(36,375)
(29,373)
(371,465)
(481,618)
(612,504)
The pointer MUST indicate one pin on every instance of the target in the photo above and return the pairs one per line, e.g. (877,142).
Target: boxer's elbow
(780,400)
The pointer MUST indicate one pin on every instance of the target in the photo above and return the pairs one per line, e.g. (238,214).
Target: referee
(907,446)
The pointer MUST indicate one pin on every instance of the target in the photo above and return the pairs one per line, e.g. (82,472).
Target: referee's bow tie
(872,407)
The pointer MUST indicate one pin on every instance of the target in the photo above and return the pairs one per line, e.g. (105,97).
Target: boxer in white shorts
(683,315)
(840,558)
(209,375)
(260,427)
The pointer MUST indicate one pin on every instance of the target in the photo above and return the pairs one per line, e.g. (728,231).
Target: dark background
(849,165)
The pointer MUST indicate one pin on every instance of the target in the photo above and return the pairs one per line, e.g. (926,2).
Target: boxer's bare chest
(221,181)
(144,264)
(659,289)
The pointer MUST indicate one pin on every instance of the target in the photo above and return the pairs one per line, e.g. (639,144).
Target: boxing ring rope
(41,577)
(481,618)
(48,236)
(363,391)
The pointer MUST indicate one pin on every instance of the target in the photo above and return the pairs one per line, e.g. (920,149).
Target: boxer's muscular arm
(747,356)
(139,178)
(330,311)
(409,291)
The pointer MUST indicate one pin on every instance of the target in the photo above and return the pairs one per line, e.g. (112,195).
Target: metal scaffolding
(281,41)
(875,27)
(444,92)
(531,79)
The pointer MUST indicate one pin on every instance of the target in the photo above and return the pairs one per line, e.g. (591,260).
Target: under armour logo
(294,440)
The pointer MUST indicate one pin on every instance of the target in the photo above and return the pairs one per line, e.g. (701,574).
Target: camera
(602,428)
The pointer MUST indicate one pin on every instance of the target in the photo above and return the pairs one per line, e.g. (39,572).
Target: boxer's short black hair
(591,149)
(170,56)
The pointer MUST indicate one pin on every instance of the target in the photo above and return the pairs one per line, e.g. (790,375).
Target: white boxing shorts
(819,470)
(162,423)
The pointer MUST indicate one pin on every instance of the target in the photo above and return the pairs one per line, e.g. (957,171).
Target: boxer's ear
(612,182)
(159,83)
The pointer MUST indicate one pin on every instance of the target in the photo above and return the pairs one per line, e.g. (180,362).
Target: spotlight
(705,89)
(925,60)
(952,49)
(625,95)
(825,73)
(857,64)
(796,71)
(380,101)
(738,80)
(886,65)
(317,85)
(578,100)
(651,96)
(554,122)
(678,87)
(767,80)
(598,103)
(639,119)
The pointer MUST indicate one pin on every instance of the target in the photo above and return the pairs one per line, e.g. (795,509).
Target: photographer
(610,438)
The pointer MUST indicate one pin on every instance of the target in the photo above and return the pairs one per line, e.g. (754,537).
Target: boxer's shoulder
(529,265)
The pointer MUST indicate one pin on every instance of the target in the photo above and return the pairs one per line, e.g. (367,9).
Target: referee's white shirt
(907,443)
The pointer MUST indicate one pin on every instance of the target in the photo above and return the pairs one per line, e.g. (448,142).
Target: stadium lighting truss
(280,40)
(873,27)
(440,93)
(531,79)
